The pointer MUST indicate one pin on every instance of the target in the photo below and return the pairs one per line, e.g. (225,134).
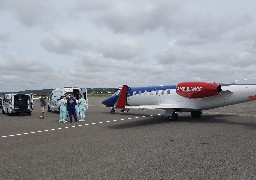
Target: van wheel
(29,113)
(9,114)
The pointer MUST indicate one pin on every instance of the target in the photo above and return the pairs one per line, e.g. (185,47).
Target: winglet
(122,100)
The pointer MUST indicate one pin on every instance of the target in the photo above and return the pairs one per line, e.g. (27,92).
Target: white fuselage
(231,94)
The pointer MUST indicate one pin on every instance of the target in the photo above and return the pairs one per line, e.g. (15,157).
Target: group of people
(74,107)
(68,105)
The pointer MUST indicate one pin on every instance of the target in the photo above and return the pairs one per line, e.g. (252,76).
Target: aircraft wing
(161,106)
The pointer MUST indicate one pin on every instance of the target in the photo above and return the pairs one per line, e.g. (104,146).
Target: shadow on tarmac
(216,119)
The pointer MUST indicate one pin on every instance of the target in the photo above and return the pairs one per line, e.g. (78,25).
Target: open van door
(31,101)
(84,92)
(76,93)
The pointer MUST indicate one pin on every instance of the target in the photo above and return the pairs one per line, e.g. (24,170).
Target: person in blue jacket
(71,103)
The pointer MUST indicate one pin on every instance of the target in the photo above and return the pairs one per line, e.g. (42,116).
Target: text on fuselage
(189,89)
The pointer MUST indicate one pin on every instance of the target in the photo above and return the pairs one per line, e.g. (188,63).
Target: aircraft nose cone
(110,102)
(105,101)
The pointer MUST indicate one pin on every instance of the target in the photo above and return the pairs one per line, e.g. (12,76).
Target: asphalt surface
(133,145)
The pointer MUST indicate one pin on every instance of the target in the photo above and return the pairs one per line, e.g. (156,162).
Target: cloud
(29,12)
(127,16)
(65,42)
(44,13)
(120,48)
(19,72)
(104,43)
(4,37)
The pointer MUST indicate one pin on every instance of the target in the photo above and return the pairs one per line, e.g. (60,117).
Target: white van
(17,103)
(53,99)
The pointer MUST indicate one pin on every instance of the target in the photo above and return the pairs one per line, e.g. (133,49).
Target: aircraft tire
(196,114)
(173,117)
(8,113)
(112,111)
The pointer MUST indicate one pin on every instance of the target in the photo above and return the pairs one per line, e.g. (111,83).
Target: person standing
(76,107)
(63,109)
(82,108)
(43,105)
(71,103)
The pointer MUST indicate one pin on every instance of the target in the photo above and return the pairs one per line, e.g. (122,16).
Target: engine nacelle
(197,89)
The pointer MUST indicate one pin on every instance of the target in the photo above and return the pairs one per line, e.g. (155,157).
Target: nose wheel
(112,110)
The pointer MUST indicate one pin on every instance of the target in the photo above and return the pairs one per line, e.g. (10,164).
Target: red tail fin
(122,100)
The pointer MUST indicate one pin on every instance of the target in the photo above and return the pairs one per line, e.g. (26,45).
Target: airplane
(191,97)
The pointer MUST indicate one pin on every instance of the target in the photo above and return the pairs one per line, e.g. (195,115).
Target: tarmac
(132,145)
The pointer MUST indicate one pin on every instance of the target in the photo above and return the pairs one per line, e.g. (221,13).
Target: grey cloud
(100,71)
(18,72)
(198,29)
(29,12)
(88,6)
(4,37)
(189,27)
(120,48)
(127,16)
(64,43)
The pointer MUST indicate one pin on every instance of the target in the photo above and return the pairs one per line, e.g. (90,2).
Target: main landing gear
(112,111)
(194,114)
(174,116)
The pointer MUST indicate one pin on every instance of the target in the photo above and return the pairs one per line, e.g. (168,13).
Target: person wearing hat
(71,103)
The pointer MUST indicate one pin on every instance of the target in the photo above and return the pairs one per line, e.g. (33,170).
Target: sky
(108,43)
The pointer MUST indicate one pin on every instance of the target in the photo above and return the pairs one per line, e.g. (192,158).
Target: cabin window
(168,91)
(162,92)
(151,93)
(156,92)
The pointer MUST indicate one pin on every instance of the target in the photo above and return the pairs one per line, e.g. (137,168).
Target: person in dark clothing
(71,103)
(42,104)
(22,104)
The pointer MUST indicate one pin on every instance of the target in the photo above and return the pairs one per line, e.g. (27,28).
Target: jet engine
(195,90)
